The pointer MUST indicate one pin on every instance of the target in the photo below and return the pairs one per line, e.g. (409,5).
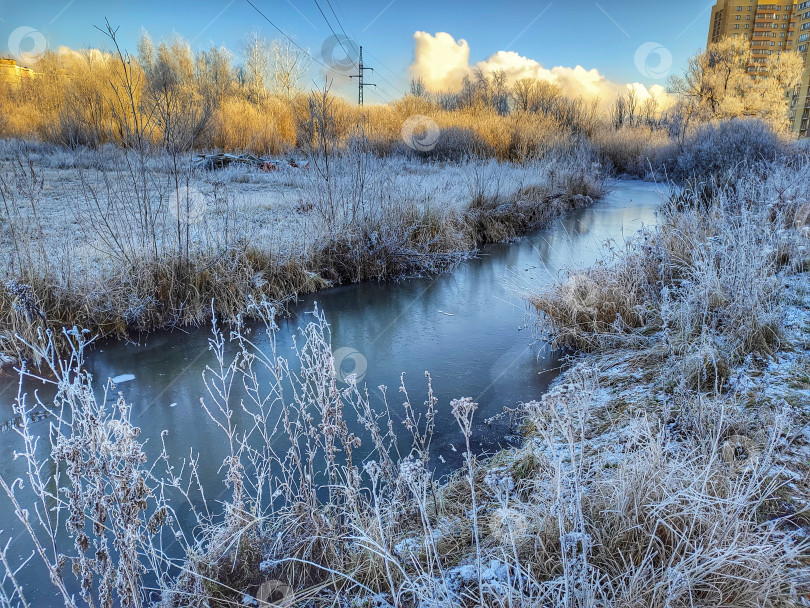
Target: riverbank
(118,244)
(378,330)
(637,483)
(667,466)
(692,441)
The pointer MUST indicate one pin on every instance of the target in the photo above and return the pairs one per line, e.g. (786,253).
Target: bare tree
(256,67)
(534,95)
(288,68)
(182,114)
(618,113)
(649,111)
(632,105)
(523,94)
(499,97)
(724,82)
(418,88)
(214,74)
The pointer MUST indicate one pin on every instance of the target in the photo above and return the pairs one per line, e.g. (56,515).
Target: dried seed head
(411,470)
(373,469)
(463,409)
(499,481)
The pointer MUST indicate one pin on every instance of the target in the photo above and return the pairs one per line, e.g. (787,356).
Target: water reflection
(464,327)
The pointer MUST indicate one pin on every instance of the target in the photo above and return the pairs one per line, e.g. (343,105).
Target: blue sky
(603,35)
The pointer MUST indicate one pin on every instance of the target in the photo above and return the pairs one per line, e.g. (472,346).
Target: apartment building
(11,73)
(770,27)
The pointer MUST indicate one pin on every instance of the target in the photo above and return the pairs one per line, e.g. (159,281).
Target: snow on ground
(760,390)
(61,206)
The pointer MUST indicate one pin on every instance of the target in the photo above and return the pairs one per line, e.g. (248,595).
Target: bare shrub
(637,151)
(727,148)
(88,501)
(547,523)
(262,128)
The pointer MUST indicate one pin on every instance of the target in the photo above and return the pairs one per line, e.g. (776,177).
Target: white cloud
(442,62)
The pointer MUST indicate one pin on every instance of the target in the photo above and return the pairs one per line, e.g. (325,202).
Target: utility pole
(359,77)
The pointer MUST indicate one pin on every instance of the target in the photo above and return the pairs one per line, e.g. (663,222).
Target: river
(466,327)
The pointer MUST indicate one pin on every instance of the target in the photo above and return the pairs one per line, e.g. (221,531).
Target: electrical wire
(340,25)
(392,85)
(340,42)
(298,46)
(381,92)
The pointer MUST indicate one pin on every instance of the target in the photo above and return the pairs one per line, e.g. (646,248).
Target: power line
(340,25)
(361,83)
(377,59)
(384,98)
(384,95)
(359,77)
(393,86)
(340,42)
(298,46)
(342,29)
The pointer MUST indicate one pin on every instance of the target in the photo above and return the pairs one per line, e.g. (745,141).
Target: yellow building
(11,73)
(770,27)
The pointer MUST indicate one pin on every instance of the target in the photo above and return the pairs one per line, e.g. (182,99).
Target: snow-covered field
(114,242)
(55,189)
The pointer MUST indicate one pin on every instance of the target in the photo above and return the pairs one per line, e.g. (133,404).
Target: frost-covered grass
(703,286)
(666,468)
(119,242)
(698,345)
(623,493)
